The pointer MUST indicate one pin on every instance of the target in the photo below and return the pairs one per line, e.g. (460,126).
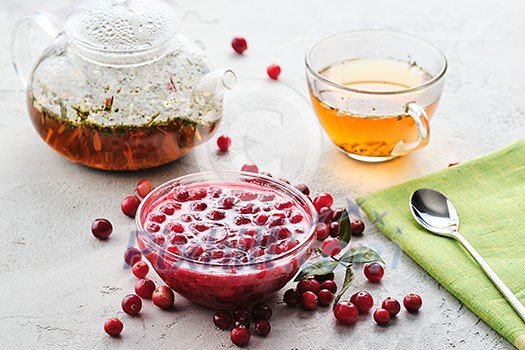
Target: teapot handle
(21,52)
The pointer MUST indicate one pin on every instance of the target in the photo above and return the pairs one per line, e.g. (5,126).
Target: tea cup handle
(420,117)
(21,52)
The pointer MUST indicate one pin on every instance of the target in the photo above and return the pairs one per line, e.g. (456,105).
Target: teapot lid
(122,25)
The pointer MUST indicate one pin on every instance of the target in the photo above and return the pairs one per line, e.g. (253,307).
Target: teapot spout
(213,84)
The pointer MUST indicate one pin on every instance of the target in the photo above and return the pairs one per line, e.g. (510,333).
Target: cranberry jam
(227,238)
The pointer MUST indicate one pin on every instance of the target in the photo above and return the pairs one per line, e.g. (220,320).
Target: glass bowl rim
(280,184)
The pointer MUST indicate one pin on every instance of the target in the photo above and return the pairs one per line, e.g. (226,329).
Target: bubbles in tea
(365,124)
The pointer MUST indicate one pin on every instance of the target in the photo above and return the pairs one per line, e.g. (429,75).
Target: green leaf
(320,267)
(345,228)
(349,277)
(361,254)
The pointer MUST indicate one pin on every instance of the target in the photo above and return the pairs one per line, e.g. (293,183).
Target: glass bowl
(235,258)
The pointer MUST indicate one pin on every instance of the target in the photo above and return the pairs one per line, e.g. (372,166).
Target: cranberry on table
(101,228)
(325,297)
(224,143)
(291,298)
(337,214)
(382,316)
(131,304)
(132,255)
(113,327)
(308,285)
(309,300)
(239,44)
(240,336)
(345,312)
(252,168)
(163,297)
(358,226)
(303,189)
(392,305)
(262,328)
(223,319)
(242,321)
(130,205)
(330,285)
(412,302)
(322,231)
(140,269)
(331,246)
(144,187)
(261,311)
(144,288)
(374,272)
(334,229)
(240,312)
(363,301)
(323,200)
(273,71)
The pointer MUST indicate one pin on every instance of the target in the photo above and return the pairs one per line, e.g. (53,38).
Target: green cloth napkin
(489,194)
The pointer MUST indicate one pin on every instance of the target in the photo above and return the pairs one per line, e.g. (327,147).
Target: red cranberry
(322,278)
(182,194)
(101,228)
(357,226)
(240,336)
(309,300)
(263,328)
(392,305)
(273,71)
(175,227)
(224,143)
(296,217)
(267,197)
(291,298)
(337,214)
(130,205)
(242,321)
(239,44)
(412,302)
(140,269)
(330,285)
(325,297)
(193,251)
(331,246)
(261,219)
(240,312)
(374,272)
(144,187)
(303,189)
(381,316)
(252,168)
(325,215)
(132,255)
(169,209)
(322,231)
(308,284)
(157,217)
(261,311)
(113,327)
(163,297)
(223,319)
(345,312)
(363,301)
(131,304)
(334,229)
(144,288)
(216,214)
(323,200)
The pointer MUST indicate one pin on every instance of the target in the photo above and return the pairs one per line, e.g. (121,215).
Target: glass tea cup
(375,92)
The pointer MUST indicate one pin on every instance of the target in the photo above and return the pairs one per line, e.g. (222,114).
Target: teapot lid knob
(122,25)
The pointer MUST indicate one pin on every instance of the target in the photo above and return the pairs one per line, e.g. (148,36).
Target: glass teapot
(119,88)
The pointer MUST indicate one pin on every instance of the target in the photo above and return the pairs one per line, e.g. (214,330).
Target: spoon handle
(507,293)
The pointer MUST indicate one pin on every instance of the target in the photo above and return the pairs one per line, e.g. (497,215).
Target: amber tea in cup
(375,92)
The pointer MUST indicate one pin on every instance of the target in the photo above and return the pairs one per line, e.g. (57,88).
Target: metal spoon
(436,213)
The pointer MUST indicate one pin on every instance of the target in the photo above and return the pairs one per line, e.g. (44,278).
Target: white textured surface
(60,284)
